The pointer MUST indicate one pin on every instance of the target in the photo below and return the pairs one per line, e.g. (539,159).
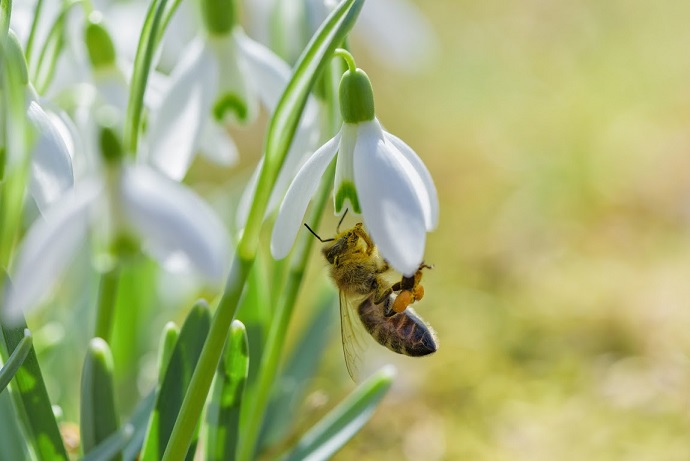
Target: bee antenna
(337,229)
(317,235)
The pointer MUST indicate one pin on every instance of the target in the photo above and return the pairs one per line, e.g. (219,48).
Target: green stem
(32,33)
(208,361)
(275,342)
(107,299)
(140,74)
(11,366)
(5,13)
(343,53)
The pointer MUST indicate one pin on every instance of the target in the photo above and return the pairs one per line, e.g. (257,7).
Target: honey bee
(382,307)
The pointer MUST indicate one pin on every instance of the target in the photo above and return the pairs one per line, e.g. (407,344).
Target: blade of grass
(344,421)
(178,373)
(298,371)
(223,414)
(98,416)
(32,401)
(111,447)
(11,366)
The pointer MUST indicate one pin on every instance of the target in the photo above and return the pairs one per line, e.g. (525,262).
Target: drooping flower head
(377,175)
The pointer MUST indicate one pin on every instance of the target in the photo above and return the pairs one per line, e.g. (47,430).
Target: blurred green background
(558,134)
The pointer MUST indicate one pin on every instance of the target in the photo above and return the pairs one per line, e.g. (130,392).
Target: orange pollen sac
(418,292)
(404,299)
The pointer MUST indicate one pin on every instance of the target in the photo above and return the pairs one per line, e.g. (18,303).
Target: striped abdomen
(404,332)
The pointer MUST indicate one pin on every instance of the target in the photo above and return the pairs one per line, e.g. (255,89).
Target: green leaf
(98,415)
(178,374)
(343,422)
(298,371)
(148,40)
(112,446)
(223,414)
(32,403)
(11,439)
(255,312)
(171,333)
(15,360)
(139,420)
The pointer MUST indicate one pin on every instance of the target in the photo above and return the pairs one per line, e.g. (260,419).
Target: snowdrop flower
(221,78)
(395,32)
(377,176)
(137,206)
(53,143)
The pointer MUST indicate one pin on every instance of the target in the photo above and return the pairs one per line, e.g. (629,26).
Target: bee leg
(359,232)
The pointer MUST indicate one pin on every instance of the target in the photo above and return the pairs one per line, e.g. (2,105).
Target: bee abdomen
(404,333)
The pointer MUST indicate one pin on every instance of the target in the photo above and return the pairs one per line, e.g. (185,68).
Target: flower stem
(148,40)
(343,53)
(107,299)
(208,362)
(275,342)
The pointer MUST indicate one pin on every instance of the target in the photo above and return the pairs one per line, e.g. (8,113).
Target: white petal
(48,247)
(177,127)
(344,169)
(390,205)
(430,201)
(170,218)
(217,145)
(51,163)
(270,73)
(237,84)
(297,198)
(398,34)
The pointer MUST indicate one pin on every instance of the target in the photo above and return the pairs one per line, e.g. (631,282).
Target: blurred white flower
(51,153)
(395,32)
(172,223)
(220,78)
(53,140)
(377,175)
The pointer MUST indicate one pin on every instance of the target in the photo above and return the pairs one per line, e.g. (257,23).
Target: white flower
(381,177)
(173,223)
(53,138)
(395,32)
(51,154)
(220,78)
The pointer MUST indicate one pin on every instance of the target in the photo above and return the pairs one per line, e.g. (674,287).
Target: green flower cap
(98,42)
(16,56)
(219,16)
(108,139)
(356,97)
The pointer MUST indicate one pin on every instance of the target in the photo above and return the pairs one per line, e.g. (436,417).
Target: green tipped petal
(230,102)
(356,97)
(347,191)
(98,42)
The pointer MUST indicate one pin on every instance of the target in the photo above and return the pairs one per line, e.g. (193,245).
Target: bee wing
(350,333)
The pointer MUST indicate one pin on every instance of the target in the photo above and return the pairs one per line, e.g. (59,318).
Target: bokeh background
(558,134)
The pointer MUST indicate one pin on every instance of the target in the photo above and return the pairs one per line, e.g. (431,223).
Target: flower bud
(219,15)
(356,97)
(98,42)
